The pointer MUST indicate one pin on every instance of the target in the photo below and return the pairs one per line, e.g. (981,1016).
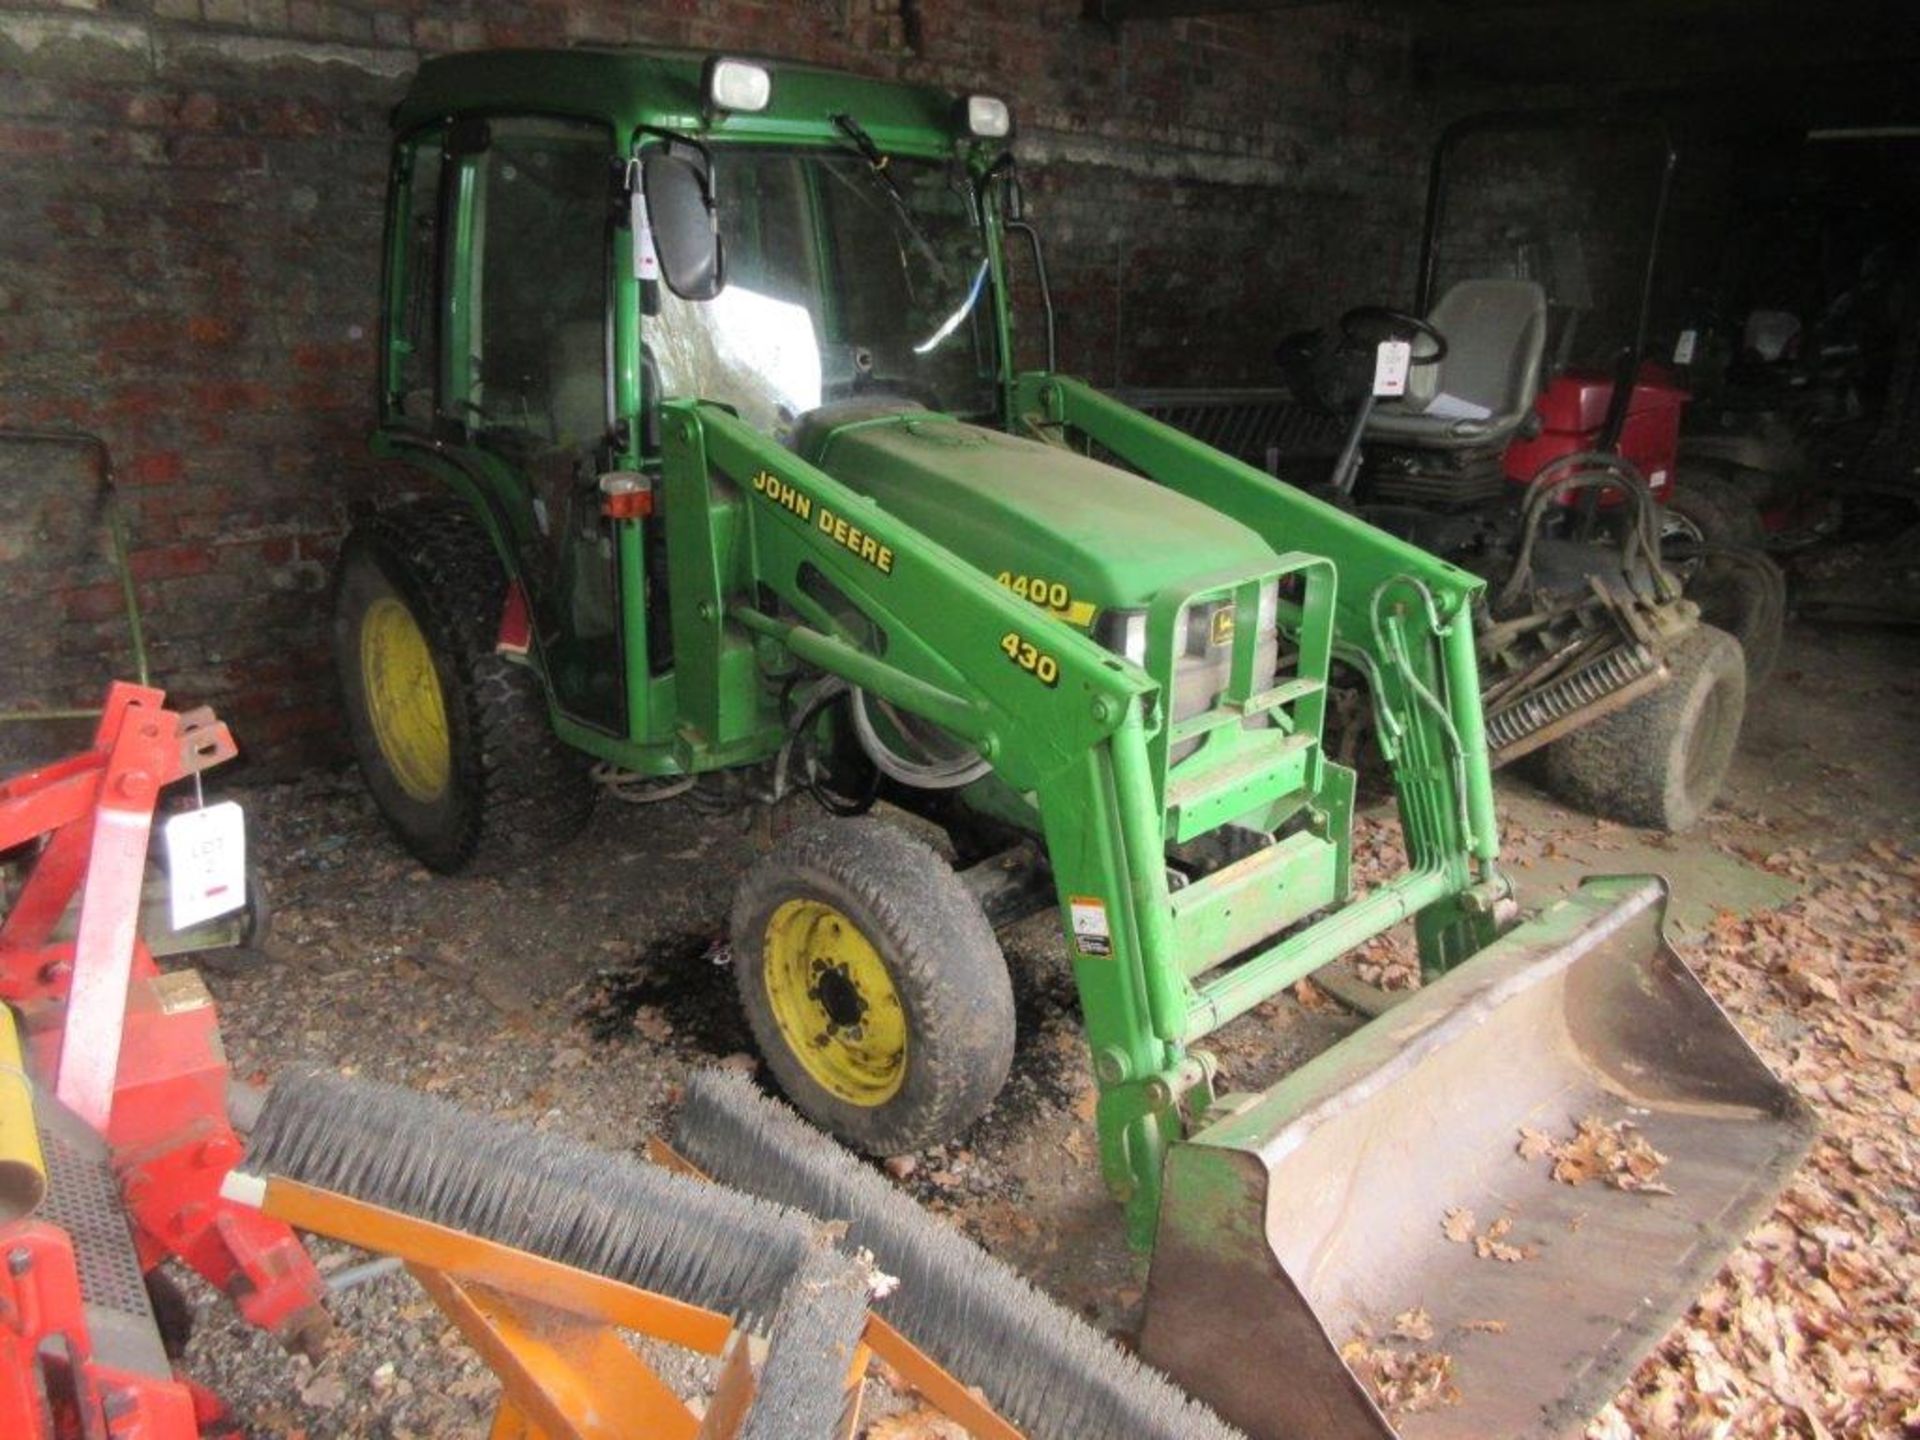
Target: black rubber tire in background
(1659,762)
(515,790)
(1721,511)
(1743,594)
(940,953)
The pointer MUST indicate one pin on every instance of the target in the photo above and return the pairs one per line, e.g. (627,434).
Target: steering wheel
(1367,325)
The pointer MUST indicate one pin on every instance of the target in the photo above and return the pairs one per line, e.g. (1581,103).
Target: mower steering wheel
(1368,325)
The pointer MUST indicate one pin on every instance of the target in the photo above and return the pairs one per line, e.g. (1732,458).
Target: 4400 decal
(1051,595)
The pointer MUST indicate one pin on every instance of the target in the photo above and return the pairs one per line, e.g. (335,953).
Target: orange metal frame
(547,1330)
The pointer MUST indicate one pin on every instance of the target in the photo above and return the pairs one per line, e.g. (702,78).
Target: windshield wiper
(952,322)
(877,167)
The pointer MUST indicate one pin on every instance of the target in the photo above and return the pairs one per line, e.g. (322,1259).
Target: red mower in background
(1512,424)
(1577,204)
(114,1132)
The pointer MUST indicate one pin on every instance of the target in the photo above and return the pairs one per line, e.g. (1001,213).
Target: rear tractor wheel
(1660,761)
(874,985)
(453,738)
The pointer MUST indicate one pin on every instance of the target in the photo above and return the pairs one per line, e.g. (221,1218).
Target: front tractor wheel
(1660,761)
(874,985)
(453,739)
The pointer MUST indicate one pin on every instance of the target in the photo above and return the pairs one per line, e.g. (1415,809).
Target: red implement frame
(134,1052)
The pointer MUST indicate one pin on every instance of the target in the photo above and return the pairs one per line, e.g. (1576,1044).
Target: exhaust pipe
(1315,1213)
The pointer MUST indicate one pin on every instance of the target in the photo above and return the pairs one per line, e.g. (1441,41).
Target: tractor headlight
(988,118)
(738,85)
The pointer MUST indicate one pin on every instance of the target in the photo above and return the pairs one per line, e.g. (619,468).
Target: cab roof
(630,88)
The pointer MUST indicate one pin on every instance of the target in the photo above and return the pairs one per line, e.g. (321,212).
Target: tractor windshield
(836,288)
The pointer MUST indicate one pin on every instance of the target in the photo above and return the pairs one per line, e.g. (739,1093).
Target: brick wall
(190,196)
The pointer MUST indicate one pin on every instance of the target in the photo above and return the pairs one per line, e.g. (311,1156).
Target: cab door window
(531,386)
(537,373)
(413,260)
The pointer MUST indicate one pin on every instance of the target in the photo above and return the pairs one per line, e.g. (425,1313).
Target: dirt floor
(577,993)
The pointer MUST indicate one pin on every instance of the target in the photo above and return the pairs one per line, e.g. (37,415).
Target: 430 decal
(1030,658)
(1049,595)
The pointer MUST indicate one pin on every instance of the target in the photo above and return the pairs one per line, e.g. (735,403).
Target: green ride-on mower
(711,362)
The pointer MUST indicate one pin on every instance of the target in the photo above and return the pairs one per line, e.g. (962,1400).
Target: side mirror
(686,226)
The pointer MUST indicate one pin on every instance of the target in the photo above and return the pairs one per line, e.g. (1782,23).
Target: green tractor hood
(1028,512)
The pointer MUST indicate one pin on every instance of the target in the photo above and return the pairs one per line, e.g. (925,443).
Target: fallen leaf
(1534,1144)
(1414,1324)
(920,1423)
(1402,1383)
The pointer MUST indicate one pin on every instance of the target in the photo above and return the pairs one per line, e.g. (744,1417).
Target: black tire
(946,972)
(511,790)
(1706,508)
(1743,594)
(1659,762)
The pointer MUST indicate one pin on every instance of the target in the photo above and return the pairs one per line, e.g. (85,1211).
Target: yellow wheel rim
(835,1003)
(403,700)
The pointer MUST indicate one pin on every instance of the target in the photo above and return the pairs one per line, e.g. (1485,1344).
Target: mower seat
(1483,390)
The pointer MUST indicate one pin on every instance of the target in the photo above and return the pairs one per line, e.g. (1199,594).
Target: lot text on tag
(1390,364)
(206,863)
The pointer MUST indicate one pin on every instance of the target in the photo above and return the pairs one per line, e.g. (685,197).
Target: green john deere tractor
(738,485)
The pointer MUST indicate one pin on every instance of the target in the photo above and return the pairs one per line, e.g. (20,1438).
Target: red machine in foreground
(114,1137)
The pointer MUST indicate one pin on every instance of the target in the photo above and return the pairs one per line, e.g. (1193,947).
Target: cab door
(525,395)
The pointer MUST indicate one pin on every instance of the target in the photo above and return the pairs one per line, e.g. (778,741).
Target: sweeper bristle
(610,1214)
(801,1393)
(1042,1367)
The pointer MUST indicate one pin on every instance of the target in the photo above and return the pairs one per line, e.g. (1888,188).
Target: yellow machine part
(23,1173)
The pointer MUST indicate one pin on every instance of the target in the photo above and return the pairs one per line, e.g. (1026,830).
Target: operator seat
(1483,390)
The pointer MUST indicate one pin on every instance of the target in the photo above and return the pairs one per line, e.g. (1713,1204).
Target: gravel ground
(578,992)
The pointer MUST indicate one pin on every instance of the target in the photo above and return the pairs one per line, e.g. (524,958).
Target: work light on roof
(988,117)
(738,85)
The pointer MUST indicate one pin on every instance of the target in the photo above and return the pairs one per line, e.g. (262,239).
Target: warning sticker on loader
(1090,930)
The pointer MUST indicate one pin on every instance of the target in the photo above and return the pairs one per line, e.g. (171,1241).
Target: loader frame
(1092,746)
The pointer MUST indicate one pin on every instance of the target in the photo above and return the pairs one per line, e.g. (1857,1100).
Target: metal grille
(1570,693)
(83,1199)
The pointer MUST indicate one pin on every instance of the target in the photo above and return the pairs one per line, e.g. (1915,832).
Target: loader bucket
(1313,1214)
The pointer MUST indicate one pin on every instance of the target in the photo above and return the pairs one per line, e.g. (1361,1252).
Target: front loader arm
(1404,616)
(1058,716)
(807,567)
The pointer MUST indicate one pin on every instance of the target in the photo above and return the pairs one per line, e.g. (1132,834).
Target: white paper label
(1090,930)
(1683,347)
(646,260)
(206,863)
(1390,363)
